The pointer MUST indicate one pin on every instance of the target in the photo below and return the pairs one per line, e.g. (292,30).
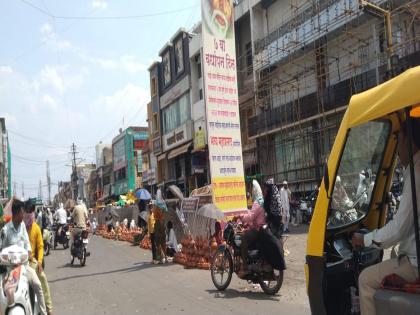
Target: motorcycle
(47,236)
(227,260)
(16,296)
(79,248)
(62,236)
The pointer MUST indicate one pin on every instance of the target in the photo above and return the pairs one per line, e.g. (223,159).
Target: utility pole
(14,189)
(23,191)
(49,182)
(40,190)
(74,178)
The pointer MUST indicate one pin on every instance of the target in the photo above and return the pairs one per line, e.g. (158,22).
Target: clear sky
(76,71)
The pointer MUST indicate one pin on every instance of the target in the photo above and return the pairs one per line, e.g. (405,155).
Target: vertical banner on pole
(222,108)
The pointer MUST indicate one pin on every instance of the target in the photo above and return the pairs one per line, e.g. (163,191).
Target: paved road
(118,279)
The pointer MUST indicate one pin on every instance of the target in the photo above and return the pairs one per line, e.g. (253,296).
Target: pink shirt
(255,218)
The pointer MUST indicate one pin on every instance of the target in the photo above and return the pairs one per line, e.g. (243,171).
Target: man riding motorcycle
(80,218)
(61,216)
(37,253)
(14,233)
(253,220)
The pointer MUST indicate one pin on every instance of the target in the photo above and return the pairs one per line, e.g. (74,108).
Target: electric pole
(49,182)
(14,189)
(40,190)
(23,191)
(74,183)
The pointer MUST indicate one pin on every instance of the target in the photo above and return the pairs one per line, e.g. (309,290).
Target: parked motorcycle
(79,247)
(227,260)
(47,236)
(16,296)
(62,236)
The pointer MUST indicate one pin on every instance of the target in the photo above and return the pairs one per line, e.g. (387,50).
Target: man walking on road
(285,194)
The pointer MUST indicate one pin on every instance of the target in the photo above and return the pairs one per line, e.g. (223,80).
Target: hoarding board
(221,98)
(118,154)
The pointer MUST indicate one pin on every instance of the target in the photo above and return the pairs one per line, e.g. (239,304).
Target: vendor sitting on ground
(171,241)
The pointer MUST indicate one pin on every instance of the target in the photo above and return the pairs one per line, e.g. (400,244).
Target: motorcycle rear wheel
(272,287)
(47,248)
(221,264)
(83,258)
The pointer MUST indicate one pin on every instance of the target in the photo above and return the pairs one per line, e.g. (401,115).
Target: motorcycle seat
(253,253)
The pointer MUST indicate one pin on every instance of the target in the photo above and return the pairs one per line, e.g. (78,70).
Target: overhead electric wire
(39,141)
(122,17)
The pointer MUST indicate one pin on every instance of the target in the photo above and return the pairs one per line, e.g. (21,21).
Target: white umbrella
(176,191)
(211,211)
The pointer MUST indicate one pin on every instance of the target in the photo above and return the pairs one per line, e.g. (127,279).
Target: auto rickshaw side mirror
(327,181)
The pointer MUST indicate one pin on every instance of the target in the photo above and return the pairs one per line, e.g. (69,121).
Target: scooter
(16,296)
(47,236)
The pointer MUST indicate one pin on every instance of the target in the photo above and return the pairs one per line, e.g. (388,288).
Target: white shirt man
(399,229)
(61,215)
(285,202)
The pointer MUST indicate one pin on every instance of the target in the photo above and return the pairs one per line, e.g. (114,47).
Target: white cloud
(126,63)
(50,102)
(132,65)
(6,69)
(53,40)
(49,76)
(128,103)
(99,4)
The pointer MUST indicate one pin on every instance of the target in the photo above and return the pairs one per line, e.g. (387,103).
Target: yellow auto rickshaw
(353,194)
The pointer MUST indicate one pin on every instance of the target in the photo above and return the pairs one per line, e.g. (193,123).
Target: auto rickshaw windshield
(355,180)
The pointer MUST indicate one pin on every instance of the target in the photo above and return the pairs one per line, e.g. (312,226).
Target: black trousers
(153,241)
(170,252)
(249,238)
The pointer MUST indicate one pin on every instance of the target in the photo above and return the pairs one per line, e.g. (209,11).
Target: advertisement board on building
(221,98)
(118,154)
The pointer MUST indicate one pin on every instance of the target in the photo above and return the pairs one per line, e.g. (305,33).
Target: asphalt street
(119,279)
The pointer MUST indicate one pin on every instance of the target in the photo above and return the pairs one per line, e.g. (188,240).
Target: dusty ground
(118,279)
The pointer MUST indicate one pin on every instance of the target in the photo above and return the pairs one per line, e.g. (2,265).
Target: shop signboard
(118,154)
(221,98)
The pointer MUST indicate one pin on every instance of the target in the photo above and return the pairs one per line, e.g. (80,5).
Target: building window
(248,49)
(120,174)
(166,66)
(177,113)
(153,86)
(155,123)
(200,94)
(179,57)
(199,68)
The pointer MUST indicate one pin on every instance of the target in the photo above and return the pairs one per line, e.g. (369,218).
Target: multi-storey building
(127,163)
(306,59)
(170,90)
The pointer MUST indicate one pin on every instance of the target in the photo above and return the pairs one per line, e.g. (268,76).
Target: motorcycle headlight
(23,258)
(4,258)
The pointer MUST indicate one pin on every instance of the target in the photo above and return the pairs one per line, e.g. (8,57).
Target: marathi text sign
(223,124)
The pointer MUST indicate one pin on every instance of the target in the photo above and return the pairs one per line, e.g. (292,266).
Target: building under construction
(299,62)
